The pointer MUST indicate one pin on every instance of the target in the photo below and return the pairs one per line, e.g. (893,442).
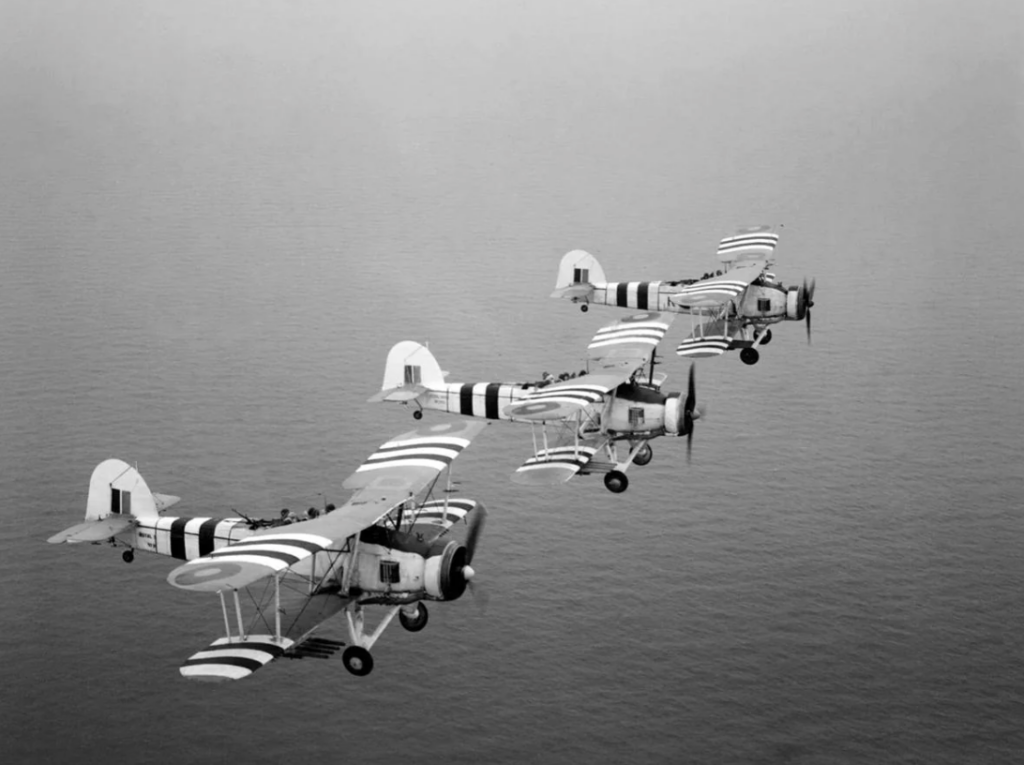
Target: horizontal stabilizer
(404,393)
(234,658)
(553,466)
(165,501)
(574,291)
(94,531)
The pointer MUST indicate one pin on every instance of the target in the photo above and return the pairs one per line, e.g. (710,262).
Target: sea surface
(217,217)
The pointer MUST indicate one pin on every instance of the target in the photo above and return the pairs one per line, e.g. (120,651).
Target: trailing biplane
(616,400)
(384,547)
(730,309)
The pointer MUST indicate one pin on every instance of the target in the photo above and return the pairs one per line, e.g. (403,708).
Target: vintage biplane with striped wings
(731,309)
(616,400)
(384,547)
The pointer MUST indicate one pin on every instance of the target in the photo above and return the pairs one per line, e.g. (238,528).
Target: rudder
(579,267)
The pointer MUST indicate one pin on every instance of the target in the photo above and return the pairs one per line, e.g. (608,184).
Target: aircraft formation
(392,546)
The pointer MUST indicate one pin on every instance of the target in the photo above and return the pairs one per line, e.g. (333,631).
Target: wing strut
(224,609)
(238,612)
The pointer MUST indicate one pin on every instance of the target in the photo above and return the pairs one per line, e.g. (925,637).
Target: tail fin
(116,488)
(118,496)
(578,272)
(410,370)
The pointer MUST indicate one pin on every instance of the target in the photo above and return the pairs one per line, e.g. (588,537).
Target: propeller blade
(688,409)
(476,525)
(480,596)
(808,326)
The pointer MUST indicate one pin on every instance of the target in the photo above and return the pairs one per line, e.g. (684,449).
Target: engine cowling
(675,416)
(445,572)
(796,304)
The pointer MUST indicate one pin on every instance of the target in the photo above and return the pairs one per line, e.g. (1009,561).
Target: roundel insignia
(640,317)
(537,408)
(203,574)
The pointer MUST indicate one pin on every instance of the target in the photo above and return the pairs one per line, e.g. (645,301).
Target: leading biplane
(384,547)
(616,400)
(730,309)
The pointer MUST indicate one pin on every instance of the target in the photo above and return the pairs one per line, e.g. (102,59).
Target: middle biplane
(730,309)
(616,400)
(384,547)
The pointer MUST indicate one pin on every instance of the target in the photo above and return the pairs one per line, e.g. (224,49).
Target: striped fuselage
(647,296)
(185,538)
(481,399)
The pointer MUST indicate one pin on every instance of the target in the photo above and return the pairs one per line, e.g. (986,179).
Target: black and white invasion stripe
(234,658)
(443,513)
(436,452)
(644,328)
(573,457)
(277,551)
(704,347)
(760,243)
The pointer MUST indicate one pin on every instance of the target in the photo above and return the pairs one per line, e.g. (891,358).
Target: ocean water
(215,221)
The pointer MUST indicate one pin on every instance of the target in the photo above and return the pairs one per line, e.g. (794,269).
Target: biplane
(616,400)
(384,547)
(731,309)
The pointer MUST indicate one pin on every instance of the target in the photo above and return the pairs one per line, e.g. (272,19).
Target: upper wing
(753,243)
(615,353)
(399,468)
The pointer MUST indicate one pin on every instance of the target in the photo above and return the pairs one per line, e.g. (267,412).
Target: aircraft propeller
(690,413)
(807,301)
(476,526)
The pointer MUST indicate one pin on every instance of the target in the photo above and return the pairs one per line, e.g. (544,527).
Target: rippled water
(215,223)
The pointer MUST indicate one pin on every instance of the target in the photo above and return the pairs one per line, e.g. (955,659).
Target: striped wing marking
(555,465)
(234,658)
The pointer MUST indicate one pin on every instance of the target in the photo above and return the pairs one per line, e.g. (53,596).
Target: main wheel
(584,308)
(418,414)
(357,660)
(749,356)
(414,623)
(766,337)
(615,481)
(645,455)
(128,556)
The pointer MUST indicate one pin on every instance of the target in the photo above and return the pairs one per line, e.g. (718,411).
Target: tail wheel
(749,356)
(417,622)
(128,556)
(644,455)
(584,308)
(615,481)
(357,660)
(418,414)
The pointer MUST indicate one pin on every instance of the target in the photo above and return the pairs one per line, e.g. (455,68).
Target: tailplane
(578,273)
(411,370)
(118,496)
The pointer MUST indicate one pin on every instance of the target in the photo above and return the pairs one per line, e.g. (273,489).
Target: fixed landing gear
(615,481)
(128,556)
(766,337)
(644,455)
(357,660)
(584,308)
(418,414)
(416,622)
(749,356)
